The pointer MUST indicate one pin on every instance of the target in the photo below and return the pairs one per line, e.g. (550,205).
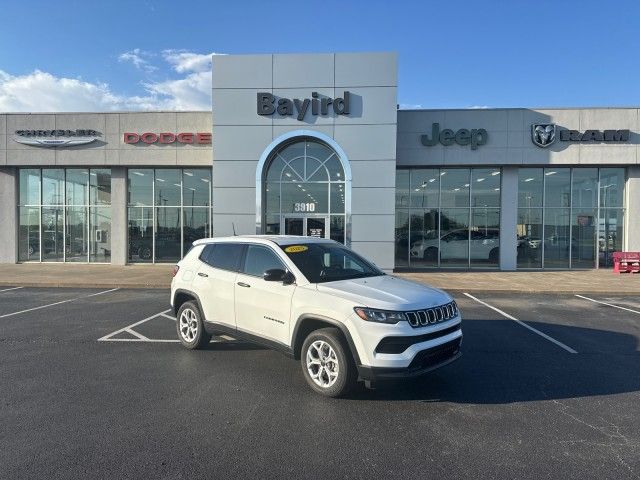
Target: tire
(190,327)
(494,255)
(336,356)
(430,254)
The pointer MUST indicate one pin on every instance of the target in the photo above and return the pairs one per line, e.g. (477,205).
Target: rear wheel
(494,255)
(190,327)
(430,254)
(327,363)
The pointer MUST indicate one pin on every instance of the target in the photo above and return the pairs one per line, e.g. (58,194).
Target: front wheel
(191,330)
(327,363)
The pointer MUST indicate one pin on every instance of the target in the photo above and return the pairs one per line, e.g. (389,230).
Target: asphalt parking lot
(93,384)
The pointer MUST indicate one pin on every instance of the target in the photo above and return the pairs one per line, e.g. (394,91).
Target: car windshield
(325,262)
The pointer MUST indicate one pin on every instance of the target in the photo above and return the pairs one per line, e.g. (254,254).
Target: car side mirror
(279,275)
(274,275)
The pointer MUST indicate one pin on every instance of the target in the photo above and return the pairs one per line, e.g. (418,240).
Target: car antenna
(233,225)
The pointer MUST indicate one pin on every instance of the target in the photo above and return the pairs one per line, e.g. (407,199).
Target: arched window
(304,190)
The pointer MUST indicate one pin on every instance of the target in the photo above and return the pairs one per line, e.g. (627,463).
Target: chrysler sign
(55,138)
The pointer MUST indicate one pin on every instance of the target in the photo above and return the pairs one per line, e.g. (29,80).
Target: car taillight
(175,270)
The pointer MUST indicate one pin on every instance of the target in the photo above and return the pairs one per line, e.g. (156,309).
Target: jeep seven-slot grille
(429,316)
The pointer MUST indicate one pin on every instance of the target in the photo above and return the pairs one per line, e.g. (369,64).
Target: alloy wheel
(322,364)
(188,325)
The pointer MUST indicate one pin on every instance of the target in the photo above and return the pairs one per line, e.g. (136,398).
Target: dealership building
(314,144)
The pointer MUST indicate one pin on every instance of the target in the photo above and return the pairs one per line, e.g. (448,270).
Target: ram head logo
(543,134)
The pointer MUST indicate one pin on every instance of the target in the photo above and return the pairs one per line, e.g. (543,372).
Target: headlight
(379,316)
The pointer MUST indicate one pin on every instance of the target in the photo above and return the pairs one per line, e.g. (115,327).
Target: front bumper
(424,361)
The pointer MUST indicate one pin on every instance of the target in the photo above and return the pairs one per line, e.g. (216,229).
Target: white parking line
(8,289)
(609,304)
(510,317)
(57,303)
(141,338)
(129,327)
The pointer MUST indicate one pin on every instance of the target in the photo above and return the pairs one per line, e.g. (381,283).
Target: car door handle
(242,284)
(202,274)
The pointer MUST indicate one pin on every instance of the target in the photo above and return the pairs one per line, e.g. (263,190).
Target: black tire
(430,254)
(185,327)
(347,374)
(494,254)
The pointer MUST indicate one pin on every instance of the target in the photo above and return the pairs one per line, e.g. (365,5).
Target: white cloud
(137,58)
(43,92)
(183,61)
(479,107)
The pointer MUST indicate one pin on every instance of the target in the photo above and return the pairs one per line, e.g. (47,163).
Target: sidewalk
(159,276)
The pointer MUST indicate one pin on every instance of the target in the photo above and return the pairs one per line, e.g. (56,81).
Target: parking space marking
(127,329)
(57,303)
(136,334)
(608,304)
(534,330)
(141,338)
(8,289)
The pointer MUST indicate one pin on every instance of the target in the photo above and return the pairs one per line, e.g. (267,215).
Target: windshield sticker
(296,248)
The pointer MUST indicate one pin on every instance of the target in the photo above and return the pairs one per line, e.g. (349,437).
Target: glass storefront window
(484,237)
(530,187)
(557,187)
(557,239)
(100,234)
(140,187)
(29,234)
(448,217)
(100,186)
(578,221)
(402,188)
(612,187)
(425,186)
(53,186)
(454,237)
(55,227)
(454,191)
(29,186)
(529,238)
(168,210)
(486,187)
(402,239)
(76,241)
(584,188)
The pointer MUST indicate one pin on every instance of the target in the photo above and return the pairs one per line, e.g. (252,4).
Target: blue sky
(108,55)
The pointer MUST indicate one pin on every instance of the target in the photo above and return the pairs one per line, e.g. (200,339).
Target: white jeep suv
(317,301)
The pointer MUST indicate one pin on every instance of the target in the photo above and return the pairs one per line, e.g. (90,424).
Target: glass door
(310,226)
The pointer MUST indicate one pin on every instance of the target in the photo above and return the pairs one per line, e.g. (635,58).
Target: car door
(262,308)
(215,282)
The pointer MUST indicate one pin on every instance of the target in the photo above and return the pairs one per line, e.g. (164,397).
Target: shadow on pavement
(488,374)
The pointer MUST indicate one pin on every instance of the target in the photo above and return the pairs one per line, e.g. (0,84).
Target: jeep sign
(474,137)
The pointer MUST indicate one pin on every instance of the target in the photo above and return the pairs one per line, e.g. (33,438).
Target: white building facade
(314,144)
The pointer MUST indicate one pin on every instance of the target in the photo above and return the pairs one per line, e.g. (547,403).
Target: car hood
(386,292)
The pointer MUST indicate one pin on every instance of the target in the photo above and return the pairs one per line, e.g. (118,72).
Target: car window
(223,255)
(327,262)
(259,259)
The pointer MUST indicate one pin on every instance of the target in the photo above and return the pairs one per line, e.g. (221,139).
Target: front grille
(429,316)
(435,356)
(400,344)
